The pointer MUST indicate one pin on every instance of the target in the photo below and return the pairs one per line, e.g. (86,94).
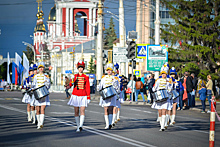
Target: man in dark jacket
(194,81)
(189,88)
(150,86)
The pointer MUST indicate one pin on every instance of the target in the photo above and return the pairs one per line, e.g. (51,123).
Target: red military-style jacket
(81,85)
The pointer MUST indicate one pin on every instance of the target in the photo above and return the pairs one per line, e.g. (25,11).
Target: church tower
(39,32)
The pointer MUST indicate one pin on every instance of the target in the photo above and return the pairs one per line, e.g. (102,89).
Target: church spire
(40,24)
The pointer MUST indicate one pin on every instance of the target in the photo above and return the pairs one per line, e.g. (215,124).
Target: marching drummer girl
(121,99)
(31,79)
(108,81)
(80,95)
(176,85)
(41,80)
(27,99)
(162,84)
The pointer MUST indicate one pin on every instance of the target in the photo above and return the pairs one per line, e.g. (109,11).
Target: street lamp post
(32,47)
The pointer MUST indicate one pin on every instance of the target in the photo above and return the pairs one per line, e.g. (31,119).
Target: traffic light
(134,64)
(131,49)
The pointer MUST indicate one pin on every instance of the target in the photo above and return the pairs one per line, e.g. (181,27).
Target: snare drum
(175,94)
(29,92)
(107,92)
(160,95)
(40,92)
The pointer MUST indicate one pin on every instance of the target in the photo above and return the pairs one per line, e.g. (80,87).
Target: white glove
(88,101)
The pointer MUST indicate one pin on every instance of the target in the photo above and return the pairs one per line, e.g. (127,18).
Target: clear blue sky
(18,19)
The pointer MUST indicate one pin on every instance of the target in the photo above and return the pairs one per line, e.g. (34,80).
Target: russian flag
(14,74)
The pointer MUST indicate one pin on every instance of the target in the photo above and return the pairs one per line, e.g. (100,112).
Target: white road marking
(92,130)
(141,110)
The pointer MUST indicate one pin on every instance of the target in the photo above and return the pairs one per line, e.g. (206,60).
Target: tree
(196,32)
(3,71)
(30,54)
(110,35)
(91,66)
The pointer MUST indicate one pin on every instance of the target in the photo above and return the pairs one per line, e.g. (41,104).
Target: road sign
(141,50)
(157,55)
(132,35)
(137,73)
(68,71)
(119,54)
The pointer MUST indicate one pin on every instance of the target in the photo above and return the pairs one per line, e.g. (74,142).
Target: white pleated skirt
(26,99)
(108,102)
(118,104)
(78,101)
(159,105)
(32,100)
(41,102)
(176,100)
(169,104)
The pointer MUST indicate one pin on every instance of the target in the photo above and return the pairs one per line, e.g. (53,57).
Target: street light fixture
(32,47)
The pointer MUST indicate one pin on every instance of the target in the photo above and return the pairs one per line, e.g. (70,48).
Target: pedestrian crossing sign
(141,50)
(137,73)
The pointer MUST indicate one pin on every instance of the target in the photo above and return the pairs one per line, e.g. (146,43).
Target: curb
(127,103)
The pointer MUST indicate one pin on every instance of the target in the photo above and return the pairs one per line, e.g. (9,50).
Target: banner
(26,66)
(18,62)
(14,74)
(8,75)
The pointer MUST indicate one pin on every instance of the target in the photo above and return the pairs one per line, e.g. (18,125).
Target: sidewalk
(198,106)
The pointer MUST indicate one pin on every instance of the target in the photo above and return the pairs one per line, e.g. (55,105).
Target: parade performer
(163,83)
(80,95)
(27,99)
(33,109)
(121,95)
(108,104)
(40,79)
(176,87)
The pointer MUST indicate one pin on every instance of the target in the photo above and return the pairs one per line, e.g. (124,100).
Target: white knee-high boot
(114,119)
(162,122)
(167,121)
(173,120)
(33,116)
(29,116)
(41,120)
(77,123)
(158,117)
(110,120)
(118,116)
(106,121)
(38,121)
(82,117)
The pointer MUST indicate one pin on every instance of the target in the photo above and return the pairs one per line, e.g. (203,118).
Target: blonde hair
(209,77)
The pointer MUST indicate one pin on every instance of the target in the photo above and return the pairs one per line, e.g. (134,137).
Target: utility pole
(122,33)
(99,63)
(157,30)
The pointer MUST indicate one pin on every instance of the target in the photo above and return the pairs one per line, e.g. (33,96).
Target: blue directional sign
(68,71)
(137,73)
(141,50)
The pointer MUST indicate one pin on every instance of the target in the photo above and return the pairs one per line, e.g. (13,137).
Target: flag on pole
(21,68)
(8,75)
(14,74)
(26,66)
(17,61)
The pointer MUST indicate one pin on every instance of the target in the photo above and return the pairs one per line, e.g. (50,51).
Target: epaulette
(103,76)
(156,80)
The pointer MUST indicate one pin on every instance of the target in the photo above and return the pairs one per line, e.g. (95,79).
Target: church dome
(52,14)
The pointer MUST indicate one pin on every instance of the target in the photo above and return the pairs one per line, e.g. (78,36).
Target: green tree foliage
(30,54)
(3,71)
(196,32)
(91,66)
(110,35)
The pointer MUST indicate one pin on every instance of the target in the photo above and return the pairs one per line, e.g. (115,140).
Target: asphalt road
(138,126)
